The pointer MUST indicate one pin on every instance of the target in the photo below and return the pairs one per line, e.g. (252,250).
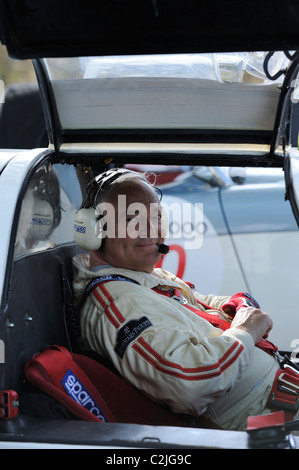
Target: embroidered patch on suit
(129,332)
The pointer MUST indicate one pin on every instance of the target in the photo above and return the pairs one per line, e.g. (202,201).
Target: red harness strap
(213,318)
(210,317)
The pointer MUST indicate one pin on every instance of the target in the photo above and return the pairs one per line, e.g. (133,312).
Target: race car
(137,92)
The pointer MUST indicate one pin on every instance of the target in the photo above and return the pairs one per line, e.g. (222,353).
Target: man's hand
(254,321)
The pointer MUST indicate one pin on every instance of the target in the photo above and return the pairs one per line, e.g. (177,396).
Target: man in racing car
(200,355)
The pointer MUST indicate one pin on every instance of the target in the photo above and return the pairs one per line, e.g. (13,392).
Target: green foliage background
(12,71)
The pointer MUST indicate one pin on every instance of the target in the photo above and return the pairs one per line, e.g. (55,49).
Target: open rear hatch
(161,81)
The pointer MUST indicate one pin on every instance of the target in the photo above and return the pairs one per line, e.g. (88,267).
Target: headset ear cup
(86,231)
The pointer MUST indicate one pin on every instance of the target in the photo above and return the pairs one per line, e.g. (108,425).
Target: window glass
(178,91)
(48,209)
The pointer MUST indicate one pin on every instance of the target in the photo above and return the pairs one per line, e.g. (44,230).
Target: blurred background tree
(22,123)
(13,71)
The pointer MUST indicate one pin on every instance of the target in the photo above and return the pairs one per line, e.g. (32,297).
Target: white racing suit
(167,351)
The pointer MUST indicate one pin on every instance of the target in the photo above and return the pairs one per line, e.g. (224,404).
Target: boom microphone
(164,249)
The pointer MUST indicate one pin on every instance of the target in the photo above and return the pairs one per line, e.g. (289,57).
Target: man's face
(133,232)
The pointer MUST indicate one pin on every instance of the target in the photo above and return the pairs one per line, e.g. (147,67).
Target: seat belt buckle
(9,403)
(275,404)
(285,393)
(285,362)
(177,295)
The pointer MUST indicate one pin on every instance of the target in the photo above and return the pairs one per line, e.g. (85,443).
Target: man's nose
(153,228)
(149,228)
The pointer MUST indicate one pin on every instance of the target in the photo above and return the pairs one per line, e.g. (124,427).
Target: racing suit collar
(83,273)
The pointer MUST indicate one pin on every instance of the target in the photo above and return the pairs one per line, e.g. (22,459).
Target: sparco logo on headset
(76,390)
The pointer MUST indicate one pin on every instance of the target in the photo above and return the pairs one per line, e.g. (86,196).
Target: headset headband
(102,182)
(106,179)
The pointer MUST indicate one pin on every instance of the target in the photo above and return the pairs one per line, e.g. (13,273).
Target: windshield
(242,67)
(180,91)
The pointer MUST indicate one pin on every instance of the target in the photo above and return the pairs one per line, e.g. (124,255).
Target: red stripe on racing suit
(194,373)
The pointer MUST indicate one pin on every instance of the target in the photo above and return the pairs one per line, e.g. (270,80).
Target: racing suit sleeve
(214,301)
(165,350)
